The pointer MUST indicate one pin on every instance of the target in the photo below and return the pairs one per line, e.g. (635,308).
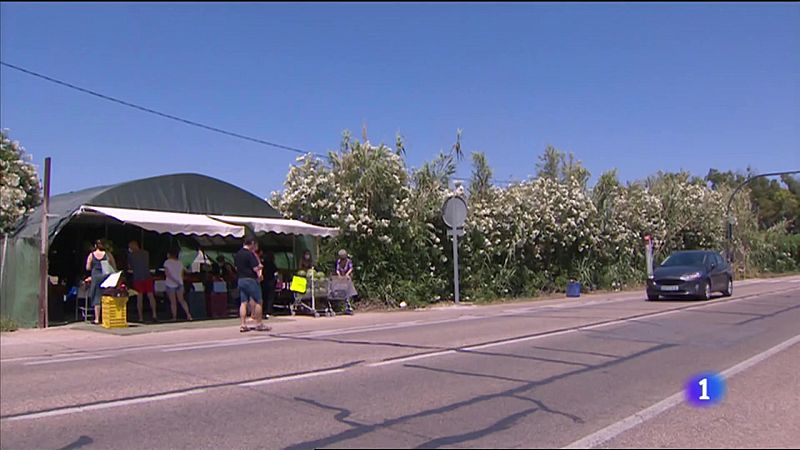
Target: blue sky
(637,87)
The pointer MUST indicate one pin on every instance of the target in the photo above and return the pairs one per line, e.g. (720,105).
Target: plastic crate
(197,304)
(573,289)
(115,312)
(218,304)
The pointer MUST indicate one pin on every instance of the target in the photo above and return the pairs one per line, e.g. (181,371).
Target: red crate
(218,304)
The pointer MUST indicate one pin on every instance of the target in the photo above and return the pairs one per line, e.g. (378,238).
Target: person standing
(173,270)
(248,268)
(344,268)
(139,263)
(224,270)
(305,262)
(101,264)
(269,272)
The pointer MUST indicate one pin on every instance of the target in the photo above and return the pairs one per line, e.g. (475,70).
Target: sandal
(262,327)
(244,329)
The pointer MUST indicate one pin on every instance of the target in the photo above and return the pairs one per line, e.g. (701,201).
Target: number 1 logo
(704,384)
(705,389)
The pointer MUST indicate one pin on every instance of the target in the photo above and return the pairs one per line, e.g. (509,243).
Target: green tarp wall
(19,285)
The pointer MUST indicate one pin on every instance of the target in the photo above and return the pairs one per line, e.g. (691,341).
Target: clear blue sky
(639,87)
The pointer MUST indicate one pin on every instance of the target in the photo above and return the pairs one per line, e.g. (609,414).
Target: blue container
(573,289)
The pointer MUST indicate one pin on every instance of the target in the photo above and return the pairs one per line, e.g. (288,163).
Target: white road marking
(412,358)
(226,343)
(552,333)
(598,437)
(159,397)
(186,346)
(577,304)
(518,340)
(614,430)
(290,378)
(106,405)
(62,360)
(27,358)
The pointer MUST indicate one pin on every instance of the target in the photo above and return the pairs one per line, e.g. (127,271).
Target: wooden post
(45,235)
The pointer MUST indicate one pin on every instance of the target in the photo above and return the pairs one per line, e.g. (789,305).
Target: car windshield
(684,259)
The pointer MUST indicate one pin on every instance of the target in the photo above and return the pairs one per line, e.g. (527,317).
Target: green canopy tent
(186,210)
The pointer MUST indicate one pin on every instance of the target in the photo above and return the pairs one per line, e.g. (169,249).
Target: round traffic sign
(454,212)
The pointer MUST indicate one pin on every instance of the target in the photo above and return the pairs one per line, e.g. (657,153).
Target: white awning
(170,222)
(283,226)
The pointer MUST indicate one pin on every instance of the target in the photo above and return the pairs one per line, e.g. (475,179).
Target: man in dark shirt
(268,283)
(248,267)
(139,264)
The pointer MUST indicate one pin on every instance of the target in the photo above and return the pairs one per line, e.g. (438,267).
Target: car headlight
(691,276)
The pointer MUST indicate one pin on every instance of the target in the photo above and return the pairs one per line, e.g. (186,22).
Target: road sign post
(454,214)
(648,254)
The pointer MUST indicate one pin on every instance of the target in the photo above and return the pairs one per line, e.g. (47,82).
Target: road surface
(603,370)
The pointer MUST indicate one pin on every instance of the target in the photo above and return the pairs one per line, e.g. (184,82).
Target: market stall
(203,216)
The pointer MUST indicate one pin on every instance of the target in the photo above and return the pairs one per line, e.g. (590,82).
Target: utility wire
(152,111)
(179,119)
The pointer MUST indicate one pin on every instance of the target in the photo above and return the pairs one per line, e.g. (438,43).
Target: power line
(179,119)
(152,111)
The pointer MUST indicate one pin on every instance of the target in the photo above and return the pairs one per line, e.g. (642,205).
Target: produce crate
(218,304)
(115,312)
(197,304)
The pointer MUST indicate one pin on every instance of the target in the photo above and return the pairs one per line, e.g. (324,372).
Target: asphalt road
(601,370)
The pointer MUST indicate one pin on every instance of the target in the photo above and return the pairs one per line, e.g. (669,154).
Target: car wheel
(705,293)
(729,289)
(652,297)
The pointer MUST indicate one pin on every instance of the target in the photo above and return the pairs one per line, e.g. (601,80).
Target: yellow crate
(115,312)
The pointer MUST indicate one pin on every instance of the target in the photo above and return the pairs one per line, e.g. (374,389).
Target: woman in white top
(173,269)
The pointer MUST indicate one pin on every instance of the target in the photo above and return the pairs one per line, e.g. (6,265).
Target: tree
(572,170)
(481,181)
(792,183)
(558,166)
(772,203)
(550,163)
(20,191)
(728,179)
(607,186)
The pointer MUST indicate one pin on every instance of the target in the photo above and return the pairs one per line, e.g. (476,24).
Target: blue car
(691,274)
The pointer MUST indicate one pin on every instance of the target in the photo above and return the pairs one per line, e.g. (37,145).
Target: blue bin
(573,289)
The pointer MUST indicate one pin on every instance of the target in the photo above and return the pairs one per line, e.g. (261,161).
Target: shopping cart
(326,291)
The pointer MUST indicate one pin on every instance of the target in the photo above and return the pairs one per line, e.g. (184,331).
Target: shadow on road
(520,393)
(83,440)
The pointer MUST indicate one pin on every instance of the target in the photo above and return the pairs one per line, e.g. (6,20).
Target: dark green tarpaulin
(184,193)
(19,282)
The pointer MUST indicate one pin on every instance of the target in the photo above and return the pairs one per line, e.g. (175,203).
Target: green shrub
(7,324)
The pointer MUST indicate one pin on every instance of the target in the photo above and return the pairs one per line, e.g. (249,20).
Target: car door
(724,271)
(711,270)
(718,278)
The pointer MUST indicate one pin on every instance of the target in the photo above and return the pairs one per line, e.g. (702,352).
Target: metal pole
(455,266)
(729,228)
(43,251)
(318,244)
(3,260)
